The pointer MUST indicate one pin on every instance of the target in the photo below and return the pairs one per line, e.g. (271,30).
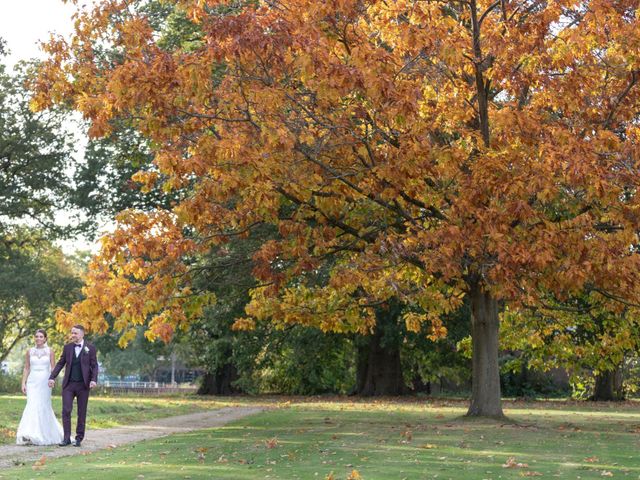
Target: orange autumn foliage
(428,148)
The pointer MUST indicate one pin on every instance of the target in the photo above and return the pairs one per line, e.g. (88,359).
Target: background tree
(35,155)
(432,149)
(35,279)
(289,359)
(103,185)
(226,273)
(580,335)
(431,364)
(140,357)
(133,360)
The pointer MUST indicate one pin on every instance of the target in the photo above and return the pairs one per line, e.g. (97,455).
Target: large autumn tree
(431,149)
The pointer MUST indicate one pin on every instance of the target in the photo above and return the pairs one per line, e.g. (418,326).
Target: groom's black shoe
(77,443)
(64,443)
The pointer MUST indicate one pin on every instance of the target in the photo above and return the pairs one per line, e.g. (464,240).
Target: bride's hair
(43,332)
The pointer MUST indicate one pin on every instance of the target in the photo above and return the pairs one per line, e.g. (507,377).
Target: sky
(23,24)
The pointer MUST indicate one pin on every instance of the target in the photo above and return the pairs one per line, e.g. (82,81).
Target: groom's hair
(79,327)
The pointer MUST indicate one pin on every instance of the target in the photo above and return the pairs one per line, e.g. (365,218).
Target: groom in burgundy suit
(80,376)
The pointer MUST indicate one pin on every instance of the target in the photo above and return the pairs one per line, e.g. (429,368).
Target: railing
(145,388)
(129,384)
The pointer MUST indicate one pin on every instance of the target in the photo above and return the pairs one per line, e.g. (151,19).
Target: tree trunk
(419,386)
(485,389)
(608,387)
(219,382)
(379,370)
(362,363)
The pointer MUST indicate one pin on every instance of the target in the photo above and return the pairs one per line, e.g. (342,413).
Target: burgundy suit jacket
(88,364)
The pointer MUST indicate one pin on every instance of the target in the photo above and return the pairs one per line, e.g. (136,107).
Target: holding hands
(52,383)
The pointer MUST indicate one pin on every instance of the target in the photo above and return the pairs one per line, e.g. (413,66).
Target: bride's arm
(52,358)
(25,372)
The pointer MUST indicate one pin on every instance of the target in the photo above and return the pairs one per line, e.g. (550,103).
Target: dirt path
(11,455)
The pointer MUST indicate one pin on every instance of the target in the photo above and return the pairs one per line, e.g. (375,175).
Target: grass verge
(380,440)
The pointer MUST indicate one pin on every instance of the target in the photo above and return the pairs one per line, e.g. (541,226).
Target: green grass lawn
(105,412)
(380,440)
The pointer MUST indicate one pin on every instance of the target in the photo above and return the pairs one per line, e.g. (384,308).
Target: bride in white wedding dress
(39,425)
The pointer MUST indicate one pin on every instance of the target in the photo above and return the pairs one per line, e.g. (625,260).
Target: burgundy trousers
(81,392)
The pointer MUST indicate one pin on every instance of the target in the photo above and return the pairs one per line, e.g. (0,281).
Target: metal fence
(145,388)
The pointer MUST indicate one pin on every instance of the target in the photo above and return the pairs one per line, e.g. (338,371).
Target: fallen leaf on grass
(354,475)
(511,463)
(606,473)
(408,436)
(271,443)
(569,426)
(591,459)
(428,446)
(330,477)
(41,461)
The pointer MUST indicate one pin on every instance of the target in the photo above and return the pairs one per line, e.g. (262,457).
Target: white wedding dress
(39,425)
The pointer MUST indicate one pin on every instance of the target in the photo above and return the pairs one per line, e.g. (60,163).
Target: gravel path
(11,455)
